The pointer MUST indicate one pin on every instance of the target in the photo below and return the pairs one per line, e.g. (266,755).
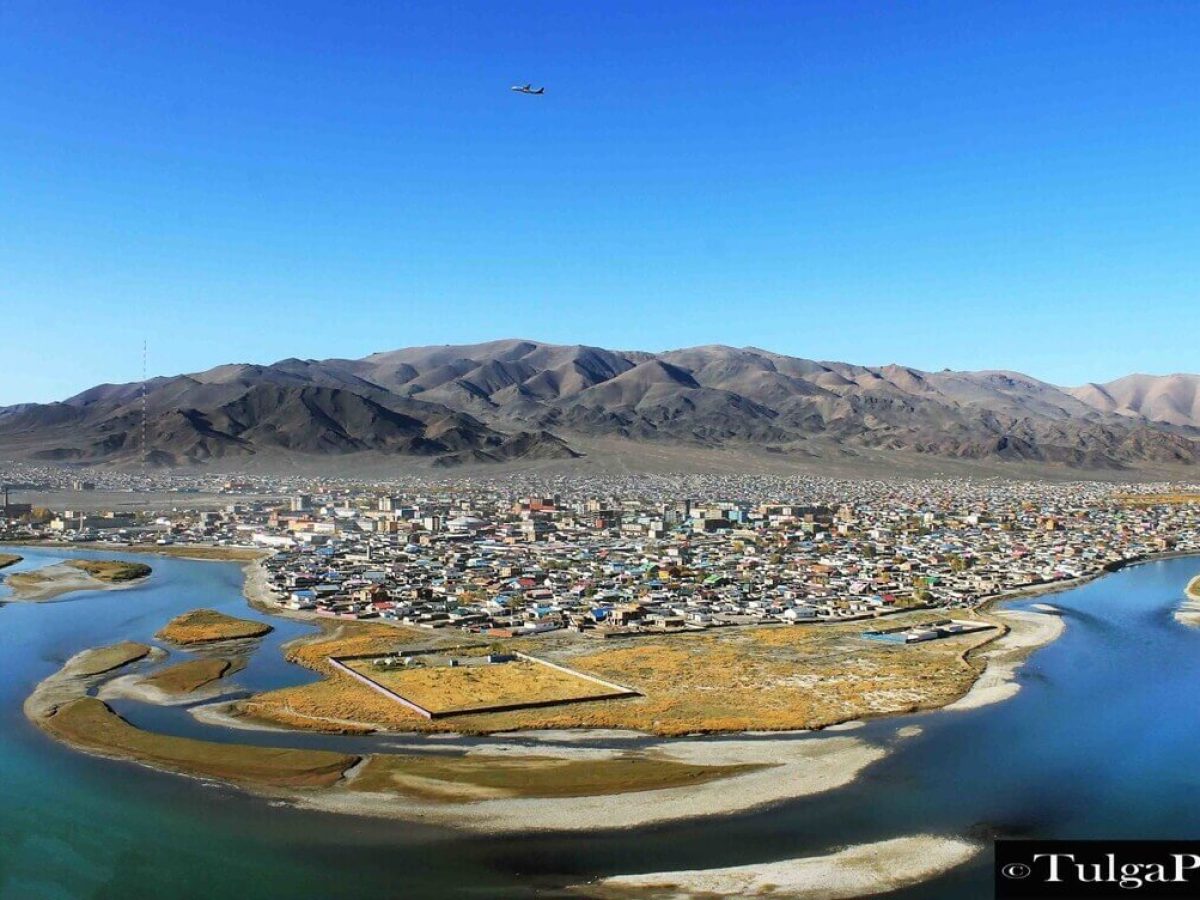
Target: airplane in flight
(527,89)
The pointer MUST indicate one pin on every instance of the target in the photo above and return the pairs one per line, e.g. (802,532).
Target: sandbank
(856,871)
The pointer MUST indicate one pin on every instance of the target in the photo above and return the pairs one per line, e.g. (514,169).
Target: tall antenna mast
(145,448)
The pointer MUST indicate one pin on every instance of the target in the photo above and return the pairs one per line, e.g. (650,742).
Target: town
(610,557)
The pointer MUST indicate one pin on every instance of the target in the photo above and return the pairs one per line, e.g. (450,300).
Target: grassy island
(203,626)
(9,559)
(90,724)
(106,659)
(189,677)
(111,571)
(52,581)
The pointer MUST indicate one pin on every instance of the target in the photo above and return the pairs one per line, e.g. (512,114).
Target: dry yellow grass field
(732,679)
(455,779)
(105,659)
(186,677)
(90,724)
(352,639)
(442,688)
(202,626)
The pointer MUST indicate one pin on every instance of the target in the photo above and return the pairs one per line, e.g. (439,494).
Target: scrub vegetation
(731,679)
(90,724)
(442,688)
(190,676)
(202,626)
(453,779)
(105,659)
(111,571)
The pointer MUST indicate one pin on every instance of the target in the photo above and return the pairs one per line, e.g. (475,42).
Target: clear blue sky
(961,184)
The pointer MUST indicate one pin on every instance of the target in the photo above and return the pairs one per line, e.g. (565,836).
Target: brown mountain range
(520,401)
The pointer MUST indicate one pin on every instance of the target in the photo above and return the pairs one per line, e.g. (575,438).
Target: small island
(193,675)
(9,559)
(75,575)
(1189,611)
(206,626)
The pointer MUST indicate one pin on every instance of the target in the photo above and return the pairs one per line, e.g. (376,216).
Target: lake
(1100,742)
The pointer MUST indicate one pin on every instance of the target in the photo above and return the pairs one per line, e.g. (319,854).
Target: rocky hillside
(516,400)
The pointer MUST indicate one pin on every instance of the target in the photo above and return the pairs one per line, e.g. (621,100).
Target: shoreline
(1037,628)
(1188,612)
(1025,632)
(849,872)
(790,770)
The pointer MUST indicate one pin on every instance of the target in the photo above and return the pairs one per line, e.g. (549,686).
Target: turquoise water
(1100,742)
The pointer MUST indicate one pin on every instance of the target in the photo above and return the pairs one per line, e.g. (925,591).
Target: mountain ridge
(514,400)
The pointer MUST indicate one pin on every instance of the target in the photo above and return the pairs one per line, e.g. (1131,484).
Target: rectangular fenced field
(442,691)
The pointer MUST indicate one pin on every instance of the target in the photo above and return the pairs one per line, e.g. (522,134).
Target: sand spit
(796,768)
(564,735)
(846,726)
(1004,657)
(1188,612)
(135,687)
(257,589)
(217,714)
(858,871)
(52,581)
(1045,608)
(83,671)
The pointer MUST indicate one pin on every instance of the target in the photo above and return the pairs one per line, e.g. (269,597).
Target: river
(1100,742)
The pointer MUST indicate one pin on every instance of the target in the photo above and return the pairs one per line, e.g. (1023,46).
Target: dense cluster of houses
(652,554)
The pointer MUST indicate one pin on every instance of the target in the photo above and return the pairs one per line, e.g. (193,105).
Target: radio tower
(145,449)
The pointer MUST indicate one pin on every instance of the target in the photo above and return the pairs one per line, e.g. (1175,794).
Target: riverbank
(858,871)
(1002,658)
(1029,630)
(778,770)
(1023,632)
(1189,611)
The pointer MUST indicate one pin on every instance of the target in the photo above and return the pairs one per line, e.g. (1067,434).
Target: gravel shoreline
(1188,612)
(856,871)
(795,768)
(1003,657)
